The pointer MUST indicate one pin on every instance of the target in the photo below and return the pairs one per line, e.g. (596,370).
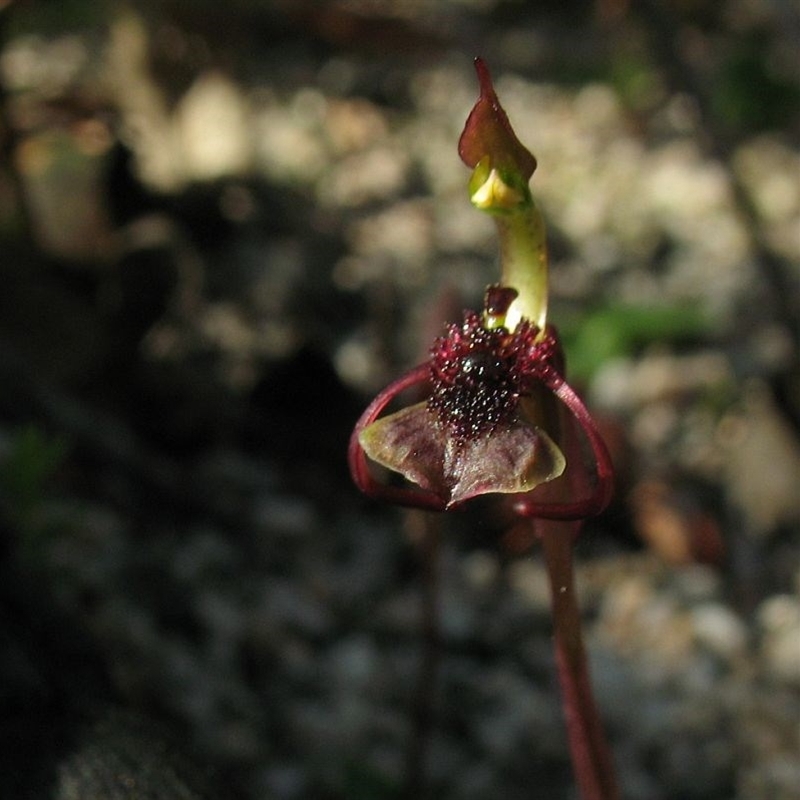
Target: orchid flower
(490,423)
(499,418)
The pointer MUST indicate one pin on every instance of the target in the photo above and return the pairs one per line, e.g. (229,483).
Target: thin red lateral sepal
(357,459)
(598,500)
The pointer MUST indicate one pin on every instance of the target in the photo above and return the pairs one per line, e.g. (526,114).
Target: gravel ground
(184,557)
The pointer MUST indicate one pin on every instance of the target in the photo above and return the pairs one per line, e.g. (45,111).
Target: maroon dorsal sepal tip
(488,133)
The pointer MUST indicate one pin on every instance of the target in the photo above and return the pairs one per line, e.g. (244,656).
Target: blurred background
(224,227)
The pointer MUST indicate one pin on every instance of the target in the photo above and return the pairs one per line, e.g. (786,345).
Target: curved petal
(580,500)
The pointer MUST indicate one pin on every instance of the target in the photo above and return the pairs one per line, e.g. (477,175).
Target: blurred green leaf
(32,460)
(617,331)
(751,95)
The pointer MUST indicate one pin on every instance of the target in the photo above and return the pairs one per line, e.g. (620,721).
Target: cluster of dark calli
(479,373)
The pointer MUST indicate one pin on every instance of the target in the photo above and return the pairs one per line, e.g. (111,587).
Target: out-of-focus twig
(424,530)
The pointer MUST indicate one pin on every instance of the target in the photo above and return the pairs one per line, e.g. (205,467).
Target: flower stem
(591,756)
(523,255)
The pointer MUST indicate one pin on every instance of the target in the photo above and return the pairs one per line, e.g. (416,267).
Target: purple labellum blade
(513,458)
(408,442)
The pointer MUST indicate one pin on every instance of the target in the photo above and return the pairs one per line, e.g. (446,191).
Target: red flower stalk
(500,418)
